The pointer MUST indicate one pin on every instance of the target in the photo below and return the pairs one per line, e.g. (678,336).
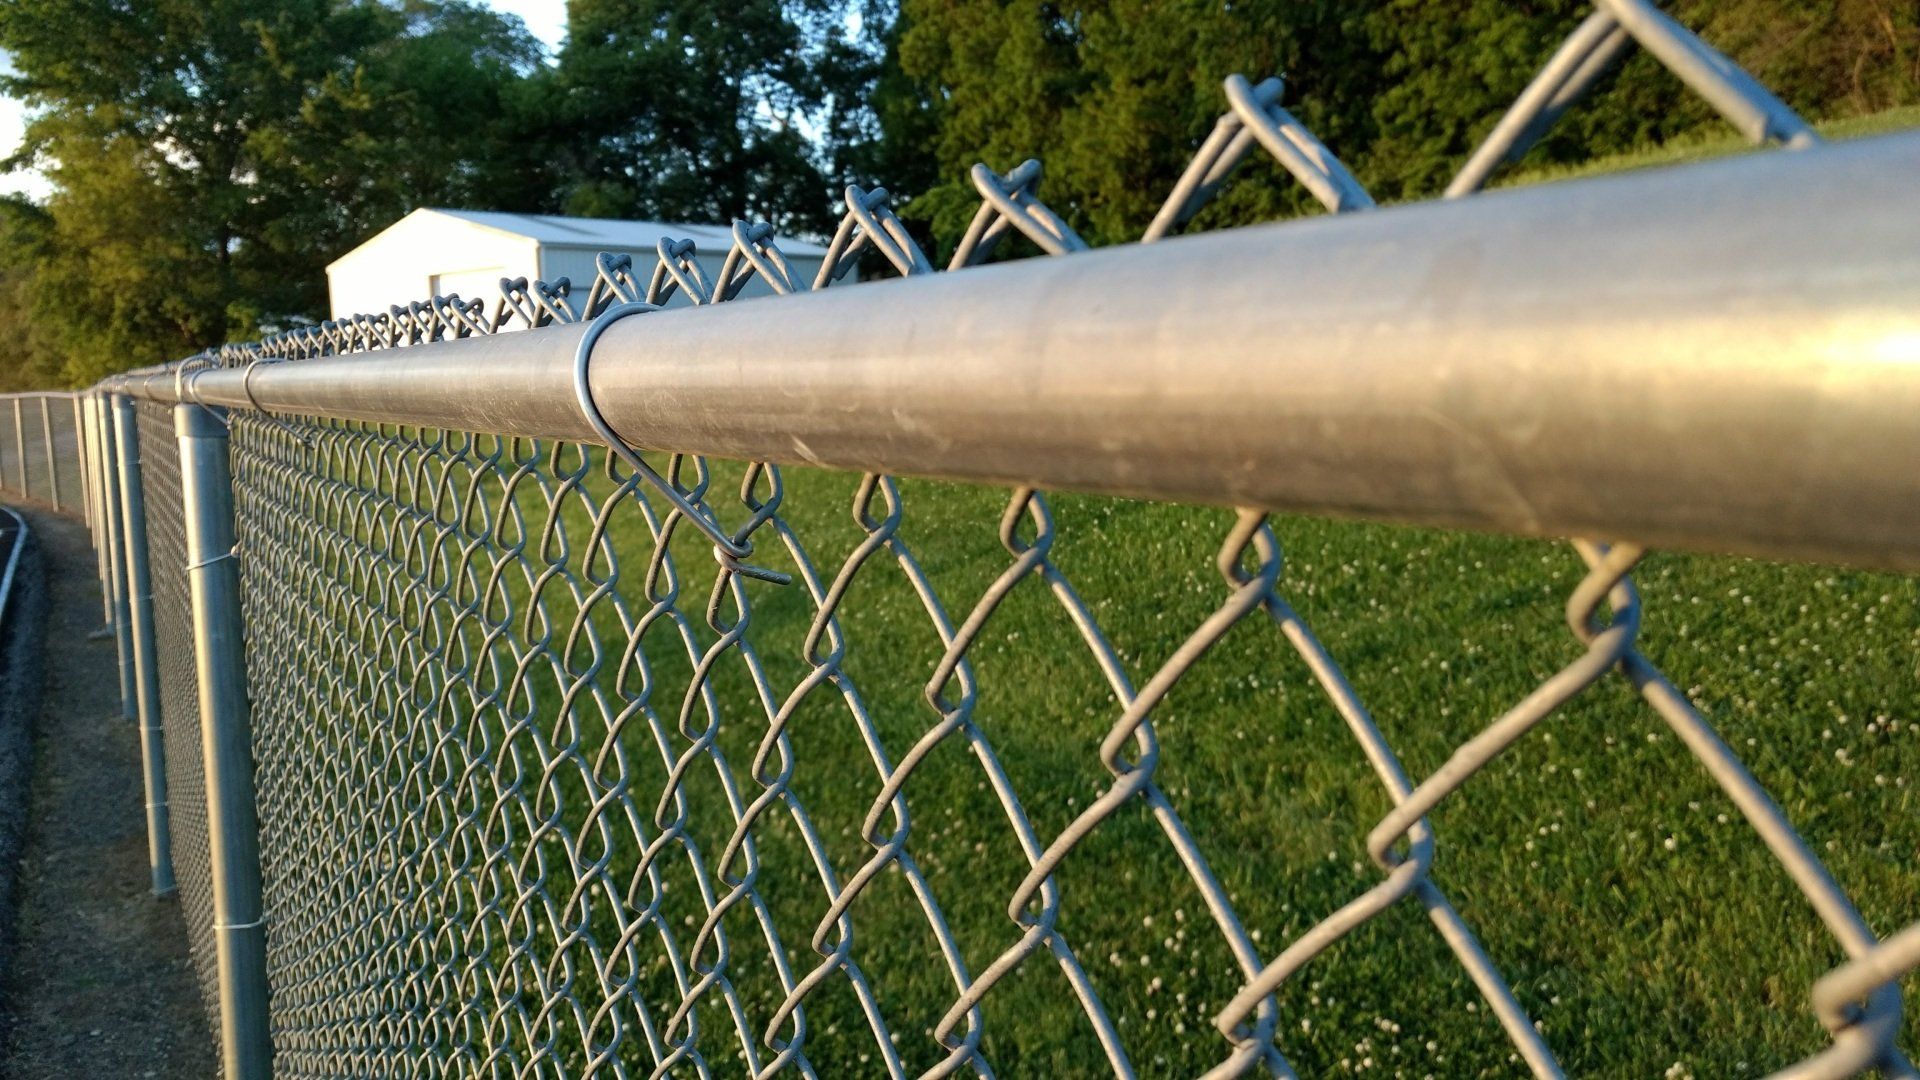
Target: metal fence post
(92,454)
(20,447)
(113,560)
(89,487)
(138,587)
(81,451)
(53,465)
(102,464)
(80,461)
(226,742)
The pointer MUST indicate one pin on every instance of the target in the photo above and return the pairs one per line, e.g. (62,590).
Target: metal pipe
(91,455)
(20,447)
(53,468)
(103,482)
(103,474)
(83,428)
(233,828)
(80,462)
(146,668)
(97,458)
(1721,356)
(116,560)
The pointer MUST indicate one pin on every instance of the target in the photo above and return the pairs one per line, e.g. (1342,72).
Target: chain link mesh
(547,789)
(16,447)
(40,449)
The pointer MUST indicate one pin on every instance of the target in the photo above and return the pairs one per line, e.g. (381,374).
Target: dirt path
(100,984)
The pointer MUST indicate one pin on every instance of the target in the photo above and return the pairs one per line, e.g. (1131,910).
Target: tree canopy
(1114,95)
(209,157)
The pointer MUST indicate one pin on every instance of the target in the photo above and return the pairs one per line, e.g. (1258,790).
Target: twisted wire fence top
(556,778)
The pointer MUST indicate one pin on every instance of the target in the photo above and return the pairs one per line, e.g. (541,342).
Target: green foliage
(210,158)
(26,361)
(659,109)
(1114,95)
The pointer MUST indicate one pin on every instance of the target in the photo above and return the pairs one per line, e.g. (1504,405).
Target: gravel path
(97,983)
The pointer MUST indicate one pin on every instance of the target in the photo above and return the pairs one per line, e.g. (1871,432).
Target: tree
(871,132)
(663,110)
(210,156)
(1114,95)
(26,361)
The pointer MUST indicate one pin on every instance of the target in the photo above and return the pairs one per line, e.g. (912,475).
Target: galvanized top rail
(1721,356)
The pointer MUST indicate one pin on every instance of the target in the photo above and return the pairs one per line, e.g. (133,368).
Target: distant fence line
(466,762)
(40,447)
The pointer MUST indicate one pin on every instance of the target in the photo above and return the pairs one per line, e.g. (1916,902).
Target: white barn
(442,252)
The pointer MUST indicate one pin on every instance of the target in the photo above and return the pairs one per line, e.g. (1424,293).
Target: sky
(547,19)
(11,122)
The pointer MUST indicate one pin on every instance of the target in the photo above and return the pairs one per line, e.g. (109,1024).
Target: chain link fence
(574,760)
(40,449)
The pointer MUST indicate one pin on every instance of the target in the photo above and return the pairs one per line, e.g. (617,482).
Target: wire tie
(189,388)
(231,553)
(246,387)
(733,552)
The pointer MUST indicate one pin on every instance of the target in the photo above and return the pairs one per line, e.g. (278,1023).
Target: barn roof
(609,234)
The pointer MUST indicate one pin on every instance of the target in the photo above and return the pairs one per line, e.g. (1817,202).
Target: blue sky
(547,20)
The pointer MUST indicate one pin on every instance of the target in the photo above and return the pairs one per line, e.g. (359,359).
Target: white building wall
(424,253)
(428,253)
(580,265)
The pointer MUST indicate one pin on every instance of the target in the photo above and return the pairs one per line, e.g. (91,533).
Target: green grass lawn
(1639,921)
(1637,918)
(1706,143)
